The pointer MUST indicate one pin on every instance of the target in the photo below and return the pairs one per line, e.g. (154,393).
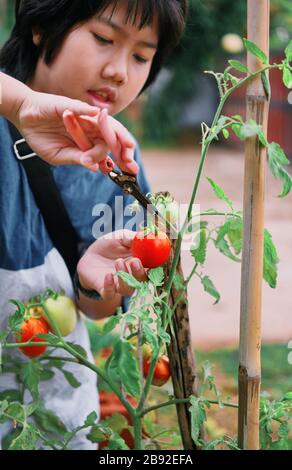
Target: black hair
(55,18)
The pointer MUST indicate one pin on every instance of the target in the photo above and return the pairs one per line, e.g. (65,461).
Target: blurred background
(166,121)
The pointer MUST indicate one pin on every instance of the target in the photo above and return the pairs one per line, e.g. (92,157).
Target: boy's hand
(116,136)
(40,121)
(106,256)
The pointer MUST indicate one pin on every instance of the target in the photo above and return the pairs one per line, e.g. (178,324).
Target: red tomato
(28,329)
(153,249)
(161,371)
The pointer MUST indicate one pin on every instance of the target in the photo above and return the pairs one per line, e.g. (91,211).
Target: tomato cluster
(61,310)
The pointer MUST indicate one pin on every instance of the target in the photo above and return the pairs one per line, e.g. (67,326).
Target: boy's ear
(36,36)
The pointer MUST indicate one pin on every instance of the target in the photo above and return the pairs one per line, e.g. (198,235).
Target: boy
(103,53)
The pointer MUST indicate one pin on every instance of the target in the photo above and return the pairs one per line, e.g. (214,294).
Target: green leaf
(198,417)
(71,378)
(288,51)
(287,396)
(238,66)
(10,395)
(156,276)
(126,366)
(219,192)
(178,281)
(263,139)
(116,442)
(78,349)
(16,411)
(129,279)
(46,375)
(266,85)
(211,445)
(249,129)
(225,133)
(200,247)
(256,51)
(99,433)
(277,158)
(271,260)
(48,421)
(15,321)
(210,288)
(91,419)
(26,439)
(49,338)
(116,422)
(221,243)
(235,234)
(30,377)
(287,77)
(110,324)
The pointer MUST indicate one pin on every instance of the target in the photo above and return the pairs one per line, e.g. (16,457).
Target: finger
(120,143)
(122,133)
(135,267)
(90,125)
(77,107)
(71,156)
(109,134)
(108,292)
(75,131)
(97,153)
(122,287)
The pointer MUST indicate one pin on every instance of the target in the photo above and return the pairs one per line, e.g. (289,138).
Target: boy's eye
(140,59)
(103,40)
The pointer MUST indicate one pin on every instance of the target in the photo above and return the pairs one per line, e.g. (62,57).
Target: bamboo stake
(249,375)
(181,356)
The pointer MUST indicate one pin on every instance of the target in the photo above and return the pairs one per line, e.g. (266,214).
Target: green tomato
(63,312)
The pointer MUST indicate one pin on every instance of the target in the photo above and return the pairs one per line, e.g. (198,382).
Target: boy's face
(104,62)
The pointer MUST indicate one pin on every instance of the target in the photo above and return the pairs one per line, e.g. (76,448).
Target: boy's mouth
(102,98)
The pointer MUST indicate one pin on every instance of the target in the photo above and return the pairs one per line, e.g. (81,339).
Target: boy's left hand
(104,258)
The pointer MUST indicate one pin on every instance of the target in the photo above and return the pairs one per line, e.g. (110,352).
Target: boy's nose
(116,69)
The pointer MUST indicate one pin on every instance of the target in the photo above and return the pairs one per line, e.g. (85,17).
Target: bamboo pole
(181,355)
(249,375)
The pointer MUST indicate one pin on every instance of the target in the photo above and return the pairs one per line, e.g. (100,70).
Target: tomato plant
(29,330)
(153,249)
(161,371)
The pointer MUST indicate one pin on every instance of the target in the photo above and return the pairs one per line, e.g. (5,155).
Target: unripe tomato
(63,311)
(153,249)
(29,328)
(161,371)
(146,348)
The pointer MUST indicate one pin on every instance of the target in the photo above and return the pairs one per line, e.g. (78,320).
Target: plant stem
(137,424)
(205,147)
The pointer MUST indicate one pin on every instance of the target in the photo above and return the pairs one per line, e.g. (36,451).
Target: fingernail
(120,266)
(137,265)
(133,167)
